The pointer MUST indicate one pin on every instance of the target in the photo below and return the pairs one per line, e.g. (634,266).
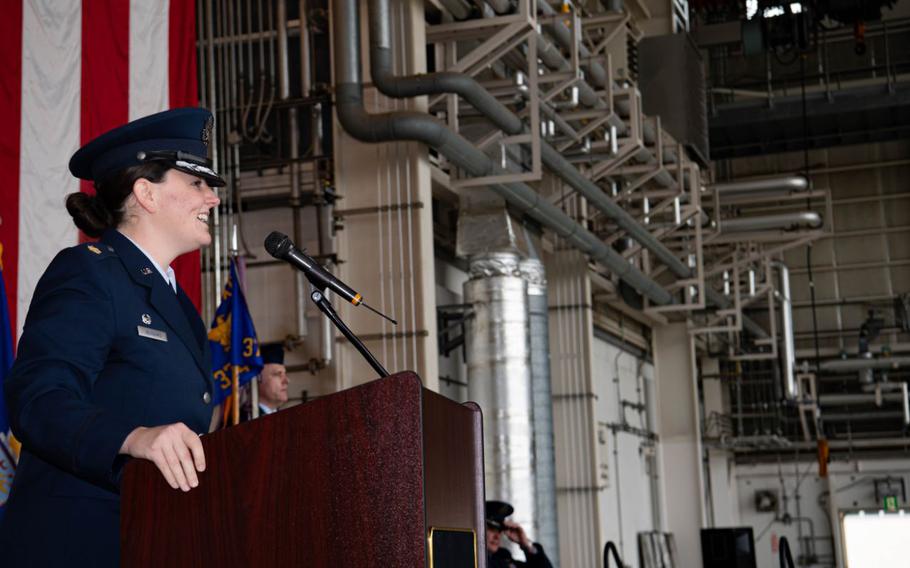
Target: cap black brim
(212,180)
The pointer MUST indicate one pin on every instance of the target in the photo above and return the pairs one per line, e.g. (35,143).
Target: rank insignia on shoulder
(146,271)
(94,249)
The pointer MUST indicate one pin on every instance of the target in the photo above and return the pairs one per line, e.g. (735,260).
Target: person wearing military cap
(113,360)
(497,524)
(273,381)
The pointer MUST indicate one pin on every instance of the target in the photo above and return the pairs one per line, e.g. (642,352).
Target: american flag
(69,71)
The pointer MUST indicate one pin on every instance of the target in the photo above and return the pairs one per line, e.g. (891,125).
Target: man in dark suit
(272,385)
(497,524)
(113,361)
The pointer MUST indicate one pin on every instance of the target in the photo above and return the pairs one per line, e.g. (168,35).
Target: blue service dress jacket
(107,346)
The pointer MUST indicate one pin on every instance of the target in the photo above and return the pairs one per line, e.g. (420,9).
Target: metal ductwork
(415,126)
(518,194)
(532,270)
(765,186)
(467,87)
(788,353)
(783,221)
(498,351)
(419,127)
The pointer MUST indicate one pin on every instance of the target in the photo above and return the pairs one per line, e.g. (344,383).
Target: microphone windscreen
(278,244)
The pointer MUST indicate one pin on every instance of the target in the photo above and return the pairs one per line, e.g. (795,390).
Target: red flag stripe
(183,93)
(105,70)
(10,117)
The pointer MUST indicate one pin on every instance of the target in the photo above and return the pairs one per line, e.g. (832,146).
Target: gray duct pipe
(532,271)
(499,380)
(788,353)
(862,416)
(854,365)
(459,9)
(383,127)
(500,6)
(858,398)
(783,221)
(788,184)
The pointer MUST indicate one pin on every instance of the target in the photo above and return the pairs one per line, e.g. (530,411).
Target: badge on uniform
(156,334)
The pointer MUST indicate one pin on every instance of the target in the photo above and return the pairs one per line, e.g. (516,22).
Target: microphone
(281,247)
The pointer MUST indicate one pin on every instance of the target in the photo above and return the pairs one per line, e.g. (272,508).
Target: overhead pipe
(787,184)
(459,9)
(835,399)
(419,127)
(467,87)
(862,416)
(854,365)
(782,221)
(788,353)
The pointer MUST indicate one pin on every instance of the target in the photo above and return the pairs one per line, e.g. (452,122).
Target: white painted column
(578,454)
(682,487)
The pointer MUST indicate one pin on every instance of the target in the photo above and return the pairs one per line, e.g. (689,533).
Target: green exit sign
(891,503)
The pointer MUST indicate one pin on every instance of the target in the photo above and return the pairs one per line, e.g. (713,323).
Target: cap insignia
(207,130)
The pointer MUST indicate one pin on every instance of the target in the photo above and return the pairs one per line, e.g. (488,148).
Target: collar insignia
(94,249)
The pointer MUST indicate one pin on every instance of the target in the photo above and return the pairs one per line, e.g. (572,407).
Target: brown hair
(94,214)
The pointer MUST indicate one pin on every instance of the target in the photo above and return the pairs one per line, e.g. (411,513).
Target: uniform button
(207,398)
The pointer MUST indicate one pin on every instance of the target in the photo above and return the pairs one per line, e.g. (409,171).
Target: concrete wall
(815,501)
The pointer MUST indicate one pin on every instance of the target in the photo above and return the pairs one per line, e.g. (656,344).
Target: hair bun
(89,213)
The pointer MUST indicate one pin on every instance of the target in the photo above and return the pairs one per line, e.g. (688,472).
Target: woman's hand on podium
(174,448)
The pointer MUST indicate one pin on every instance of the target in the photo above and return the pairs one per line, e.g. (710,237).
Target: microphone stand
(318,297)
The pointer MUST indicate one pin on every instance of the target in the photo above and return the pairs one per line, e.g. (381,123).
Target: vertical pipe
(906,405)
(213,107)
(532,270)
(293,134)
(788,353)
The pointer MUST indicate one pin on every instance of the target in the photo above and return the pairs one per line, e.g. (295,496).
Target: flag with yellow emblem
(235,348)
(8,445)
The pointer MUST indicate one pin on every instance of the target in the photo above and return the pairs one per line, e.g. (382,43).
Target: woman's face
(184,212)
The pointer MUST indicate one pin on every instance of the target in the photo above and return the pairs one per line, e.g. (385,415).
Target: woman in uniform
(113,361)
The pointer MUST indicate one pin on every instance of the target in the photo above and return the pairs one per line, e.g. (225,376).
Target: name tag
(155,334)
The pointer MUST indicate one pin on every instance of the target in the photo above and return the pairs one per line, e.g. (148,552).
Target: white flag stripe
(51,87)
(148,57)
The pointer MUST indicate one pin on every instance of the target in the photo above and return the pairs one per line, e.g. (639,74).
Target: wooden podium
(384,474)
